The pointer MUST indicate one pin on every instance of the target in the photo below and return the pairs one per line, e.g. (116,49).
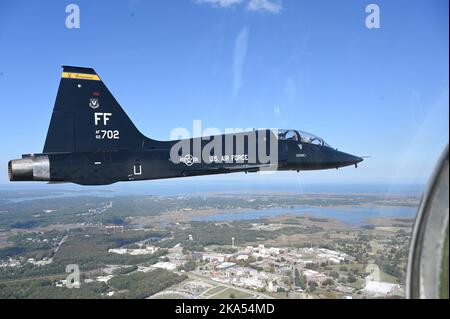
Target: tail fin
(86,117)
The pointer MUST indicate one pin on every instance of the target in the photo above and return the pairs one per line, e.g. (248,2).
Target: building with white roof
(225,265)
(165,265)
(379,288)
(312,275)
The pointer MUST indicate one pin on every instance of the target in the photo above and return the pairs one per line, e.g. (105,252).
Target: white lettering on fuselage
(104,117)
(107,134)
(227,158)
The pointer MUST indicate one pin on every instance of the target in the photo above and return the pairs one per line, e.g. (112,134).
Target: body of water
(355,216)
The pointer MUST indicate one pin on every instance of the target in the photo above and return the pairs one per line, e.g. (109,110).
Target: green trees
(188,266)
(312,266)
(126,270)
(328,282)
(300,279)
(141,285)
(312,286)
(351,278)
(44,288)
(334,274)
(130,285)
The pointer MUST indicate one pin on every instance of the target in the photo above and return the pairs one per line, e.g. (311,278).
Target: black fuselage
(107,167)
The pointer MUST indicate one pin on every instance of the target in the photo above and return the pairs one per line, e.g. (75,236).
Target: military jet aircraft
(92,141)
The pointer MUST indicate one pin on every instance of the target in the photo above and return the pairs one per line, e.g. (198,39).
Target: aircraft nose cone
(358,159)
(345,159)
(353,159)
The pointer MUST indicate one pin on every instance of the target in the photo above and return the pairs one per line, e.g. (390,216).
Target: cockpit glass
(291,135)
(304,137)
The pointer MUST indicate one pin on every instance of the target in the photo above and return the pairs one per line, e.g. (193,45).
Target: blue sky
(311,65)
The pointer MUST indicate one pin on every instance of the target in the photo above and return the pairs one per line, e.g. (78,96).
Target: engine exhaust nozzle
(29,169)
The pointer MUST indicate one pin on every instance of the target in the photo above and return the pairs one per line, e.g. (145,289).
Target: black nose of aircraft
(344,159)
(356,160)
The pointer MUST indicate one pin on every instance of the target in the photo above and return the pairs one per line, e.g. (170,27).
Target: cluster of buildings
(10,262)
(53,241)
(147,250)
(44,261)
(266,268)
(100,209)
(172,260)
(273,269)
(255,267)
(18,261)
(97,210)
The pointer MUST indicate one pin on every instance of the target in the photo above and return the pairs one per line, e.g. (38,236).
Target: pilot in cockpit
(291,135)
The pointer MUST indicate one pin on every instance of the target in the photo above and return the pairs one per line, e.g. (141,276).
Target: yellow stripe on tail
(80,76)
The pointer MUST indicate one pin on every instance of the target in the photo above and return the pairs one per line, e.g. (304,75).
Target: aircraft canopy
(290,134)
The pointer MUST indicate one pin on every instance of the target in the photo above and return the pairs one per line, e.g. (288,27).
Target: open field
(230,293)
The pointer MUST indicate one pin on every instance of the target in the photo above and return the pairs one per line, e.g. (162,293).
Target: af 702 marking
(83,145)
(109,134)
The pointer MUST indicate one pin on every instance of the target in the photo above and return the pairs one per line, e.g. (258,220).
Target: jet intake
(33,168)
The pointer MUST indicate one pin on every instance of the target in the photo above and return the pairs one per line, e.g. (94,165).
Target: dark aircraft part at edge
(92,141)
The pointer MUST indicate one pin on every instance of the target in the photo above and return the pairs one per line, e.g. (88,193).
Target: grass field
(214,290)
(170,296)
(388,278)
(226,294)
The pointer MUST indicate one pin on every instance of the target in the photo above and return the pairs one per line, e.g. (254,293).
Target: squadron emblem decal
(93,103)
